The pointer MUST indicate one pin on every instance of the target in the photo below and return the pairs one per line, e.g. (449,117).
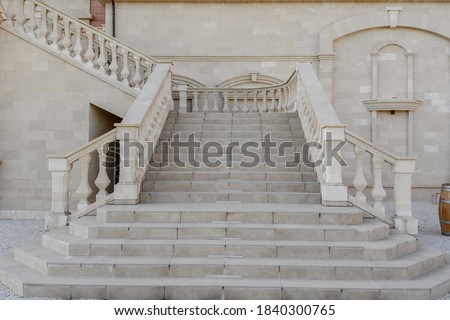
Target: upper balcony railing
(79,43)
(276,98)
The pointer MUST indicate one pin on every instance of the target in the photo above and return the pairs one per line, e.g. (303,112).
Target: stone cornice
(392,104)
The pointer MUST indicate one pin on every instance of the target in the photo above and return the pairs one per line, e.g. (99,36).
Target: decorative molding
(393,16)
(251,79)
(312,58)
(180,80)
(392,104)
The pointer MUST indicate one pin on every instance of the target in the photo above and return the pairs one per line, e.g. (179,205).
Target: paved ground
(15,232)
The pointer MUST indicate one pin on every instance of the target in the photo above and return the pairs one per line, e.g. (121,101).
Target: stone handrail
(139,131)
(61,166)
(326,133)
(276,98)
(79,43)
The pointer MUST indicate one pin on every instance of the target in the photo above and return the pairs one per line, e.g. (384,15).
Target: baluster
(55,36)
(378,192)
(31,25)
(245,106)
(255,102)
(10,14)
(280,100)
(272,108)
(359,181)
(226,107)
(195,102)
(78,48)
(66,42)
(113,66)
(286,98)
(89,55)
(136,81)
(125,72)
(102,57)
(42,31)
(84,189)
(264,102)
(216,102)
(102,182)
(235,102)
(205,102)
(20,17)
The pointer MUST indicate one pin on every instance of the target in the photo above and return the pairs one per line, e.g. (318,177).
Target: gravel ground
(15,232)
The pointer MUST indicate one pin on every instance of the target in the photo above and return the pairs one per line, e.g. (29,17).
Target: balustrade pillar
(127,190)
(42,31)
(113,67)
(182,102)
(378,193)
(333,191)
(31,25)
(102,182)
(66,42)
(226,107)
(9,14)
(360,182)
(84,189)
(20,17)
(195,102)
(54,36)
(403,171)
(60,171)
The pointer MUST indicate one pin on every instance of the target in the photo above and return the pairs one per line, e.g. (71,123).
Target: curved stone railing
(79,43)
(277,98)
(327,134)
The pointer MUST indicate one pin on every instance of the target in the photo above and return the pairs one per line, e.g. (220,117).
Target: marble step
(235,121)
(230,195)
(233,115)
(246,186)
(246,213)
(396,245)
(51,263)
(89,227)
(216,164)
(296,129)
(31,283)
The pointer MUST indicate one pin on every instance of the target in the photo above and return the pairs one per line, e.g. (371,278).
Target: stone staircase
(227,233)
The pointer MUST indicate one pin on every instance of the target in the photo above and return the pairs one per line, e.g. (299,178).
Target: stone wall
(44,109)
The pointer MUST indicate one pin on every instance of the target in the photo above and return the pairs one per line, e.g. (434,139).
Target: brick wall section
(97,13)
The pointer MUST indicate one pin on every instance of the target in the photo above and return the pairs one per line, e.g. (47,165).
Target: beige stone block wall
(431,132)
(44,109)
(80,9)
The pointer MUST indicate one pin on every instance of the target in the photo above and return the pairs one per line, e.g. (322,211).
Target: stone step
(396,245)
(234,115)
(250,143)
(231,195)
(51,263)
(246,213)
(230,133)
(30,283)
(296,129)
(166,148)
(253,186)
(271,159)
(217,165)
(235,121)
(89,227)
(235,175)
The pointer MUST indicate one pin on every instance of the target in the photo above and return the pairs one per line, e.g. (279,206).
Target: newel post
(403,171)
(59,168)
(127,190)
(334,192)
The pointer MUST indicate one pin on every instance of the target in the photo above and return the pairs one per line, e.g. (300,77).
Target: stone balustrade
(83,45)
(277,98)
(61,167)
(325,131)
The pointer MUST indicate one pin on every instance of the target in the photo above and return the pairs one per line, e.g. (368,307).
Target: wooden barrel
(444,209)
